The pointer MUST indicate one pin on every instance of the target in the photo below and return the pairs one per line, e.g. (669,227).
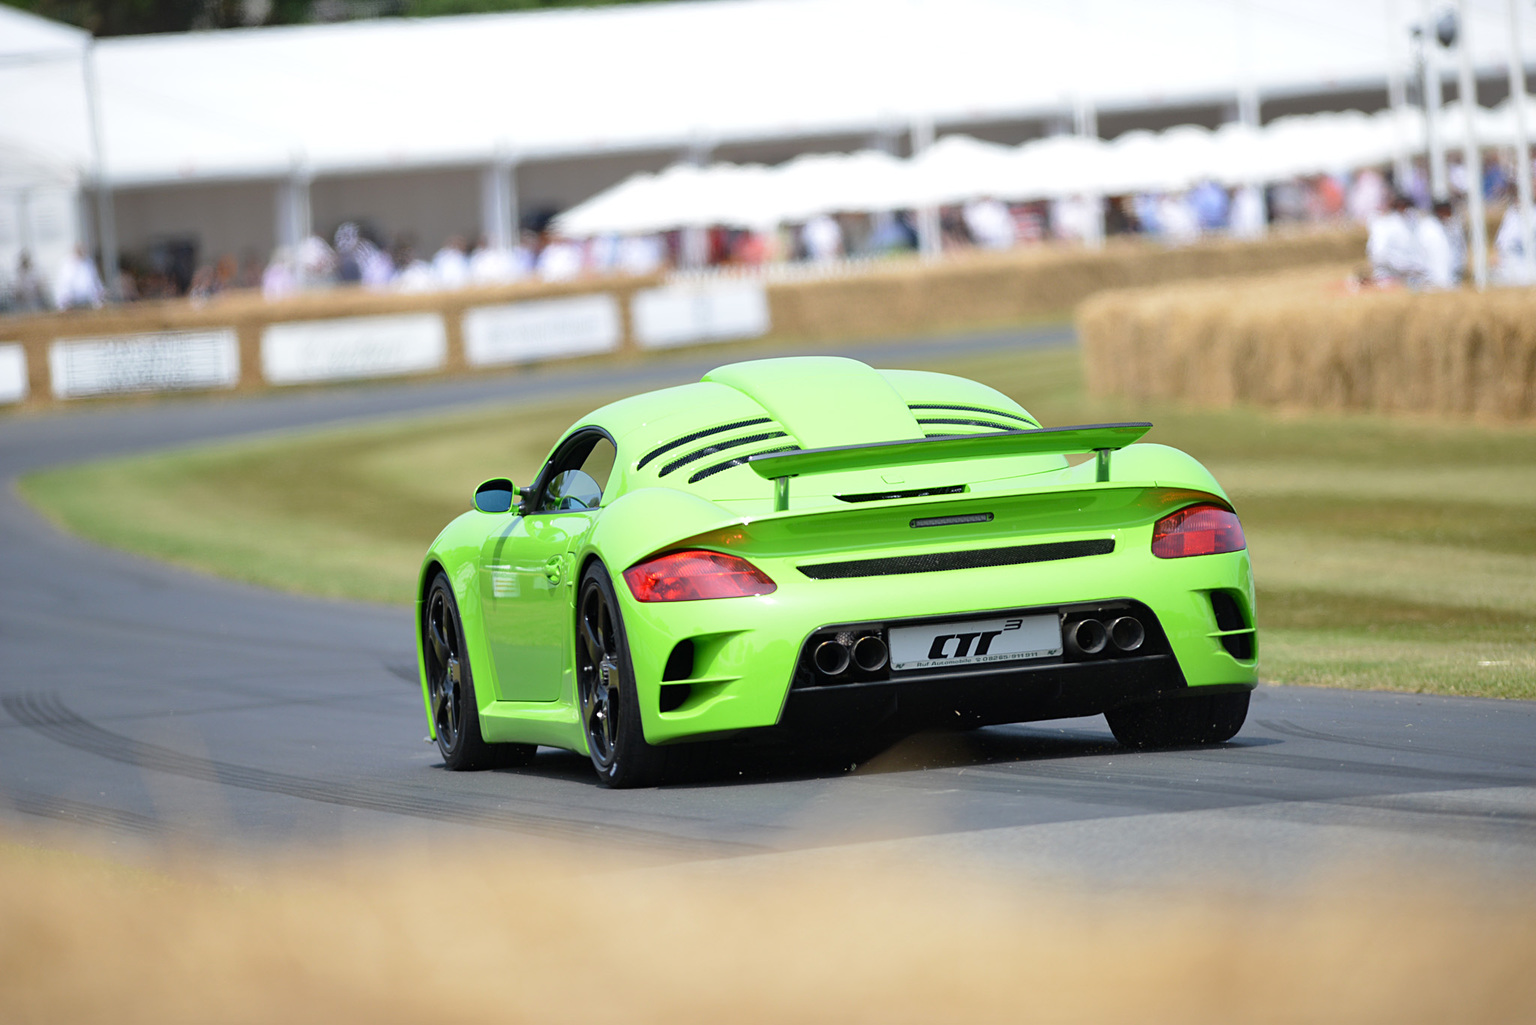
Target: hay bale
(1307,340)
(977,289)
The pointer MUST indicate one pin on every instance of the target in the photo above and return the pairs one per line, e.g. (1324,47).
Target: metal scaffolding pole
(106,221)
(1431,53)
(498,201)
(1473,160)
(929,241)
(1522,145)
(1397,96)
(1086,117)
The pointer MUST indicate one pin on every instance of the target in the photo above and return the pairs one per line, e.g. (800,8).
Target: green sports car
(809,545)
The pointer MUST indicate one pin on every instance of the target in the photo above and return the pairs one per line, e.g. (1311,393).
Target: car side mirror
(496,495)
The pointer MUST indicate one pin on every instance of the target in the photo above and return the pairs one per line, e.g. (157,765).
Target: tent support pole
(1522,144)
(106,220)
(1473,157)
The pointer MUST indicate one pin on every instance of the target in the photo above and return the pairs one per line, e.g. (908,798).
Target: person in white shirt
(1367,196)
(451,265)
(1248,218)
(317,263)
(280,278)
(822,238)
(990,223)
(642,254)
(492,264)
(412,274)
(1512,267)
(1393,245)
(560,260)
(1433,235)
(79,284)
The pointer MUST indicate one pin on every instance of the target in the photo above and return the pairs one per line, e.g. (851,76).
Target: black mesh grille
(1015,555)
(973,409)
(967,423)
(709,450)
(661,450)
(710,471)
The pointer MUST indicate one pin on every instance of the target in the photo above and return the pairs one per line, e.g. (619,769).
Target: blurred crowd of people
(1421,242)
(1413,241)
(356,256)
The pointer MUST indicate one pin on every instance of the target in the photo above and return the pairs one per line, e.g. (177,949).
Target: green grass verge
(1390,554)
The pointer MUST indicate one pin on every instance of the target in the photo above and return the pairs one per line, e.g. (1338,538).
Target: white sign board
(348,348)
(158,361)
(13,373)
(541,329)
(684,314)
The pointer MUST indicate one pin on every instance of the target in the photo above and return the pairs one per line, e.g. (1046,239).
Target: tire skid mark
(1504,817)
(1291,729)
(48,715)
(1386,770)
(1082,781)
(81,813)
(1097,786)
(154,634)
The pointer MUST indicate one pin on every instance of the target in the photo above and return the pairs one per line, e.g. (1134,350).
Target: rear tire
(605,687)
(451,690)
(1180,721)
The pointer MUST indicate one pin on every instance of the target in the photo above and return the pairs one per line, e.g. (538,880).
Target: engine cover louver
(661,450)
(741,460)
(932,562)
(932,408)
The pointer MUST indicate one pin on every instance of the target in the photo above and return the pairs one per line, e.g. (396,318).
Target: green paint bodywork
(515,576)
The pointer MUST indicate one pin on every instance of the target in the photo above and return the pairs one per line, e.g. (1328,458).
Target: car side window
(572,489)
(578,475)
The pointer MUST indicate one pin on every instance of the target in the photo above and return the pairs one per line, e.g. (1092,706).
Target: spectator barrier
(1310,340)
(239,342)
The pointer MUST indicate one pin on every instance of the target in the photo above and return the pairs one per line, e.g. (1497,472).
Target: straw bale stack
(1307,339)
(983,289)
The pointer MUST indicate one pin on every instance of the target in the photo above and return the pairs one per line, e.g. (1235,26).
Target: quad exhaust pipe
(868,653)
(1092,636)
(1087,637)
(832,658)
(1127,633)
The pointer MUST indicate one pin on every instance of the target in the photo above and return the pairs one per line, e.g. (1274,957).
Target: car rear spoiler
(1100,439)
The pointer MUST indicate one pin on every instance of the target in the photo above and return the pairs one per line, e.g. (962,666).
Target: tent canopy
(375,96)
(958,168)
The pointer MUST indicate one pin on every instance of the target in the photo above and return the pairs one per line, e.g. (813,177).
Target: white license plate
(974,642)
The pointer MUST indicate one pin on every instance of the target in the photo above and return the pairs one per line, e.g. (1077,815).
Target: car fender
(650,520)
(457,551)
(1169,467)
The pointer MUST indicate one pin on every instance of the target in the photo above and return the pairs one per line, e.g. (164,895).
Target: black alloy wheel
(605,686)
(451,690)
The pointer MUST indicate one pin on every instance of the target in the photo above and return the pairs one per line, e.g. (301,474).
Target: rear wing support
(1100,439)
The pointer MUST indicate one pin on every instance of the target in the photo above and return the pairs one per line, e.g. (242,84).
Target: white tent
(397,93)
(958,168)
(39,182)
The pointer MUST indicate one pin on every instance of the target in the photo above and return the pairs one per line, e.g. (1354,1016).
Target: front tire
(1180,721)
(605,686)
(451,690)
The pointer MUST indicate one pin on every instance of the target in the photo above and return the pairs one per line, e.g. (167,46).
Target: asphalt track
(154,705)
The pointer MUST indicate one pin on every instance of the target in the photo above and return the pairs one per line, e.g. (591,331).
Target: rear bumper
(744,652)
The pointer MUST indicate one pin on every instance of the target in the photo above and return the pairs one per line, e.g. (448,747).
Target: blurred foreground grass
(484,935)
(1390,553)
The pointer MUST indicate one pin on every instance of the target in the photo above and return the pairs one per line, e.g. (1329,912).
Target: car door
(527,589)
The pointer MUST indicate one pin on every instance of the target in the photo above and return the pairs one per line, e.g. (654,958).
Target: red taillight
(1197,530)
(693,575)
